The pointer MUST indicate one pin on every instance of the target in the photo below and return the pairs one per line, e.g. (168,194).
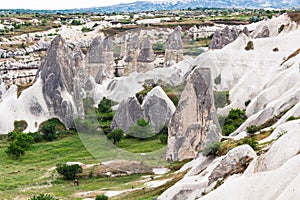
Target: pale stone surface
(128,113)
(158,108)
(194,123)
(59,73)
(174,48)
(206,171)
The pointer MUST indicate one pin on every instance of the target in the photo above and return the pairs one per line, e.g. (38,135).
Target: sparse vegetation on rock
(212,149)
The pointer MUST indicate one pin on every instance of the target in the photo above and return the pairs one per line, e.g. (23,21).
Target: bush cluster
(234,119)
(69,172)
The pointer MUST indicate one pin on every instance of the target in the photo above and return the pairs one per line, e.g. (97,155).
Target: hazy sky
(58,4)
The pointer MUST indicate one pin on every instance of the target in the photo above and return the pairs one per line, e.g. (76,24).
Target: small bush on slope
(68,171)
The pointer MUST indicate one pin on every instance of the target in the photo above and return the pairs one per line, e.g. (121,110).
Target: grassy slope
(25,177)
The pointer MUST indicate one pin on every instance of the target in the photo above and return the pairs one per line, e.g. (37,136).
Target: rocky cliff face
(221,39)
(61,72)
(174,49)
(128,113)
(158,108)
(100,57)
(132,55)
(265,32)
(194,123)
(146,57)
(146,53)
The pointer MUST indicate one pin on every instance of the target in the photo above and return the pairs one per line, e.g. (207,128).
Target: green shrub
(69,172)
(101,197)
(20,143)
(105,106)
(212,149)
(163,135)
(14,150)
(75,22)
(85,29)
(20,126)
(234,119)
(252,129)
(292,118)
(43,197)
(37,137)
(251,142)
(50,129)
(116,135)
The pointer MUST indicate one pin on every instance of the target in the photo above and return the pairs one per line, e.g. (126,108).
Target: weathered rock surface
(205,172)
(265,32)
(235,161)
(95,51)
(194,123)
(246,31)
(146,54)
(221,39)
(128,113)
(174,48)
(100,57)
(60,72)
(132,55)
(273,175)
(158,108)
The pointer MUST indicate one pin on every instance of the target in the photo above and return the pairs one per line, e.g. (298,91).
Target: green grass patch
(136,145)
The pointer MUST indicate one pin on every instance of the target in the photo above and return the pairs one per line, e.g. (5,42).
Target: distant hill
(139,6)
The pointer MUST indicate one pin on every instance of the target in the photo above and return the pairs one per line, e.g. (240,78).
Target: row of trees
(20,142)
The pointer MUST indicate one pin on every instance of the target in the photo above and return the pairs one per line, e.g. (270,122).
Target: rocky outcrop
(158,108)
(95,51)
(221,39)
(246,31)
(128,113)
(205,172)
(146,57)
(100,56)
(132,55)
(236,161)
(264,33)
(273,175)
(61,72)
(146,54)
(174,49)
(37,46)
(194,123)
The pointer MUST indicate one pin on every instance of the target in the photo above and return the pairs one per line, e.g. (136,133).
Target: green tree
(116,135)
(105,106)
(163,135)
(101,197)
(69,172)
(14,150)
(50,129)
